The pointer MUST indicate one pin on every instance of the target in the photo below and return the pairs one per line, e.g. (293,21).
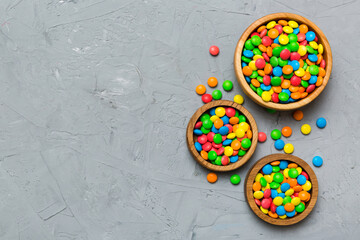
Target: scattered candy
(282,189)
(275,134)
(212,82)
(305,129)
(288,148)
(238,99)
(217,94)
(227,85)
(321,122)
(222,135)
(298,115)
(212,177)
(200,89)
(206,98)
(279,144)
(286,131)
(214,50)
(262,137)
(283,62)
(317,161)
(235,179)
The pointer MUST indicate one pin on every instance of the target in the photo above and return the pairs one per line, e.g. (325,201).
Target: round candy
(214,50)
(275,134)
(206,98)
(286,131)
(267,169)
(298,115)
(216,94)
(200,89)
(279,144)
(293,173)
(301,179)
(288,148)
(317,161)
(227,85)
(235,179)
(246,143)
(238,99)
(321,122)
(260,63)
(212,82)
(305,129)
(278,177)
(262,137)
(212,177)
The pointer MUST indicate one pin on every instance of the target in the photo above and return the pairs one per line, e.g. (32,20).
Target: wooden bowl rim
(246,87)
(190,135)
(249,191)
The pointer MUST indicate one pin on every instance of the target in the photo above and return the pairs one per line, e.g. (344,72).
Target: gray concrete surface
(95,97)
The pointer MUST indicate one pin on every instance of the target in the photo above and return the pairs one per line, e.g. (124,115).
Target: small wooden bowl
(190,136)
(249,191)
(241,78)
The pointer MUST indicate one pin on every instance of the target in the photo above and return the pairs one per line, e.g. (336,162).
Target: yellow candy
(300,72)
(277,201)
(272,174)
(293,24)
(302,50)
(305,129)
(268,178)
(258,194)
(314,45)
(257,57)
(271,91)
(252,65)
(220,111)
(213,118)
(228,151)
(296,201)
(231,136)
(279,190)
(283,217)
(264,210)
(267,186)
(283,39)
(240,132)
(299,170)
(244,125)
(258,176)
(288,29)
(286,172)
(307,69)
(266,96)
(288,148)
(271,25)
(239,99)
(307,186)
(289,192)
(321,48)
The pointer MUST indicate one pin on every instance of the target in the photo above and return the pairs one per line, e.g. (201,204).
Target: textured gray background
(95,97)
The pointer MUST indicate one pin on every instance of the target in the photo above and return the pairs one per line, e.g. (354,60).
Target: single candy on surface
(286,131)
(235,179)
(321,122)
(212,82)
(275,134)
(262,137)
(227,85)
(206,98)
(317,161)
(214,50)
(238,99)
(298,115)
(288,148)
(216,94)
(200,89)
(212,177)
(305,129)
(279,144)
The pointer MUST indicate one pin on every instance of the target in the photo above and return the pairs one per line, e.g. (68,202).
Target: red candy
(266,203)
(261,137)
(295,81)
(207,146)
(210,136)
(263,33)
(216,145)
(214,50)
(273,207)
(267,193)
(202,139)
(257,201)
(230,127)
(295,56)
(260,63)
(279,28)
(225,160)
(266,57)
(310,88)
(230,112)
(275,97)
(220,151)
(285,54)
(266,41)
(198,125)
(301,37)
(206,98)
(266,80)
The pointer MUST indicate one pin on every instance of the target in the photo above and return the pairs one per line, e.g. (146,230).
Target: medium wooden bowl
(241,78)
(191,142)
(249,191)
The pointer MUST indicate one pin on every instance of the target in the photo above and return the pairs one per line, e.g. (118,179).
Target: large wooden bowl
(190,136)
(250,178)
(241,78)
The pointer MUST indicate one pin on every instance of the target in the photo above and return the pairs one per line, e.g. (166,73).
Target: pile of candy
(222,135)
(282,61)
(282,189)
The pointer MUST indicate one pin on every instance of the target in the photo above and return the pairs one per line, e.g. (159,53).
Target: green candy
(316,52)
(204,130)
(274,62)
(218,161)
(276,51)
(276,81)
(259,91)
(274,185)
(253,87)
(286,200)
(309,49)
(246,143)
(304,83)
(283,62)
(292,37)
(241,152)
(260,79)
(217,138)
(283,96)
(204,117)
(237,113)
(235,179)
(300,208)
(263,182)
(288,76)
(314,70)
(257,51)
(255,40)
(270,110)
(227,85)
(216,94)
(275,134)
(249,45)
(207,123)
(276,169)
(278,177)
(294,46)
(286,47)
(305,66)
(293,173)
(254,75)
(245,59)
(242,118)
(212,155)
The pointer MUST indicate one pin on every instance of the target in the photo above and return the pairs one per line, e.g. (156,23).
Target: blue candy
(279,144)
(292,100)
(276,40)
(248,79)
(243,64)
(277,71)
(313,79)
(296,30)
(212,111)
(321,122)
(198,146)
(225,119)
(264,87)
(295,64)
(248,54)
(227,142)
(267,169)
(287,91)
(281,195)
(301,179)
(280,210)
(234,159)
(290,214)
(317,161)
(198,132)
(310,36)
(224,130)
(284,187)
(312,57)
(214,129)
(274,193)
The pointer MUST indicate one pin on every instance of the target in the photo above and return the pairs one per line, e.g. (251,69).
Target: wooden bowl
(249,191)
(241,78)
(190,136)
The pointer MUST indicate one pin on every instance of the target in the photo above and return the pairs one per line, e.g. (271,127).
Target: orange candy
(287,69)
(301,89)
(234,120)
(292,165)
(256,186)
(249,134)
(307,76)
(204,154)
(273,215)
(298,115)
(295,95)
(286,131)
(319,81)
(218,123)
(303,28)
(292,182)
(212,177)
(303,95)
(275,163)
(200,89)
(236,144)
(285,84)
(261,73)
(320,58)
(247,71)
(321,72)
(261,28)
(212,82)
(283,22)
(293,89)
(262,48)
(273,33)
(255,82)
(277,89)
(268,68)
(304,195)
(297,188)
(289,207)
(309,62)
(269,51)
